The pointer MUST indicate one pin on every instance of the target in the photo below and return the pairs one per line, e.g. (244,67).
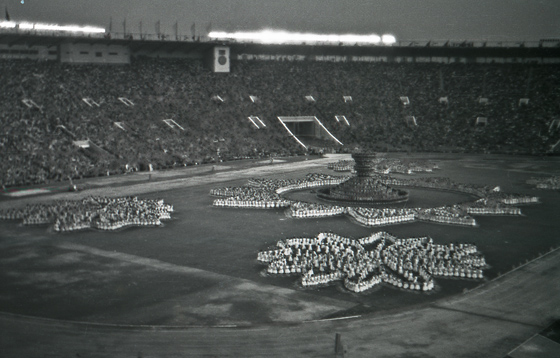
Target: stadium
(162,195)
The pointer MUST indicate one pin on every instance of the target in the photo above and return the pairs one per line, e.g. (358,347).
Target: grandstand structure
(158,103)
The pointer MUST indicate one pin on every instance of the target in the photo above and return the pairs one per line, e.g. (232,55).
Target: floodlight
(280,37)
(388,39)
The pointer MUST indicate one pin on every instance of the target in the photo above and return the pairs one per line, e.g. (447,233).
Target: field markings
(332,319)
(241,283)
(143,261)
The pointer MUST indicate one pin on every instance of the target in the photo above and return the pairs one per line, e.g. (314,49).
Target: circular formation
(364,164)
(266,194)
(365,191)
(365,188)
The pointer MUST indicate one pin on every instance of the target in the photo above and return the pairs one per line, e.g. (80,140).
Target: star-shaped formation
(93,212)
(379,258)
(267,194)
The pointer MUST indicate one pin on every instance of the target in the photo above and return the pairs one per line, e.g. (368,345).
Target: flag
(7,15)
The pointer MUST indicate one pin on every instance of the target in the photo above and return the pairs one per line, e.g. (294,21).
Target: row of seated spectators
(36,149)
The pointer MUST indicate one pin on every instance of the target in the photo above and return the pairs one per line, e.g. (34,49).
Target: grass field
(200,269)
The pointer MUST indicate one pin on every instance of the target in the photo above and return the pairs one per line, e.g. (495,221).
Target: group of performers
(93,212)
(266,194)
(365,189)
(378,258)
(386,166)
(303,210)
(382,216)
(551,183)
(439,183)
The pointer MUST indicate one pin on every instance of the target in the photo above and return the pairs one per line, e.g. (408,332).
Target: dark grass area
(552,332)
(39,278)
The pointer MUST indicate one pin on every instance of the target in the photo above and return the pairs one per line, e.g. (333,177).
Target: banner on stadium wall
(369,59)
(220,59)
(262,57)
(318,58)
(331,58)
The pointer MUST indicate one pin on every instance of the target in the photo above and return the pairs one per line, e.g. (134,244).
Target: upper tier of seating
(43,111)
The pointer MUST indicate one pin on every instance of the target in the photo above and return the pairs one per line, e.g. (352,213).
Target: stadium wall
(28,52)
(98,50)
(94,53)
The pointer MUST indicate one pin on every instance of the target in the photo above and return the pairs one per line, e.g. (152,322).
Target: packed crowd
(37,141)
(379,258)
(93,212)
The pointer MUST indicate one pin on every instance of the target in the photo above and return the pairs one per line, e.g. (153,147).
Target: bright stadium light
(26,26)
(285,37)
(7,24)
(50,27)
(69,28)
(388,39)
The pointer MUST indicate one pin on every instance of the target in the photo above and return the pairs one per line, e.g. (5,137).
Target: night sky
(494,20)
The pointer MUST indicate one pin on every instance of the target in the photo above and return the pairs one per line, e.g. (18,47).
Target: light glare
(26,26)
(7,24)
(388,39)
(285,37)
(50,27)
